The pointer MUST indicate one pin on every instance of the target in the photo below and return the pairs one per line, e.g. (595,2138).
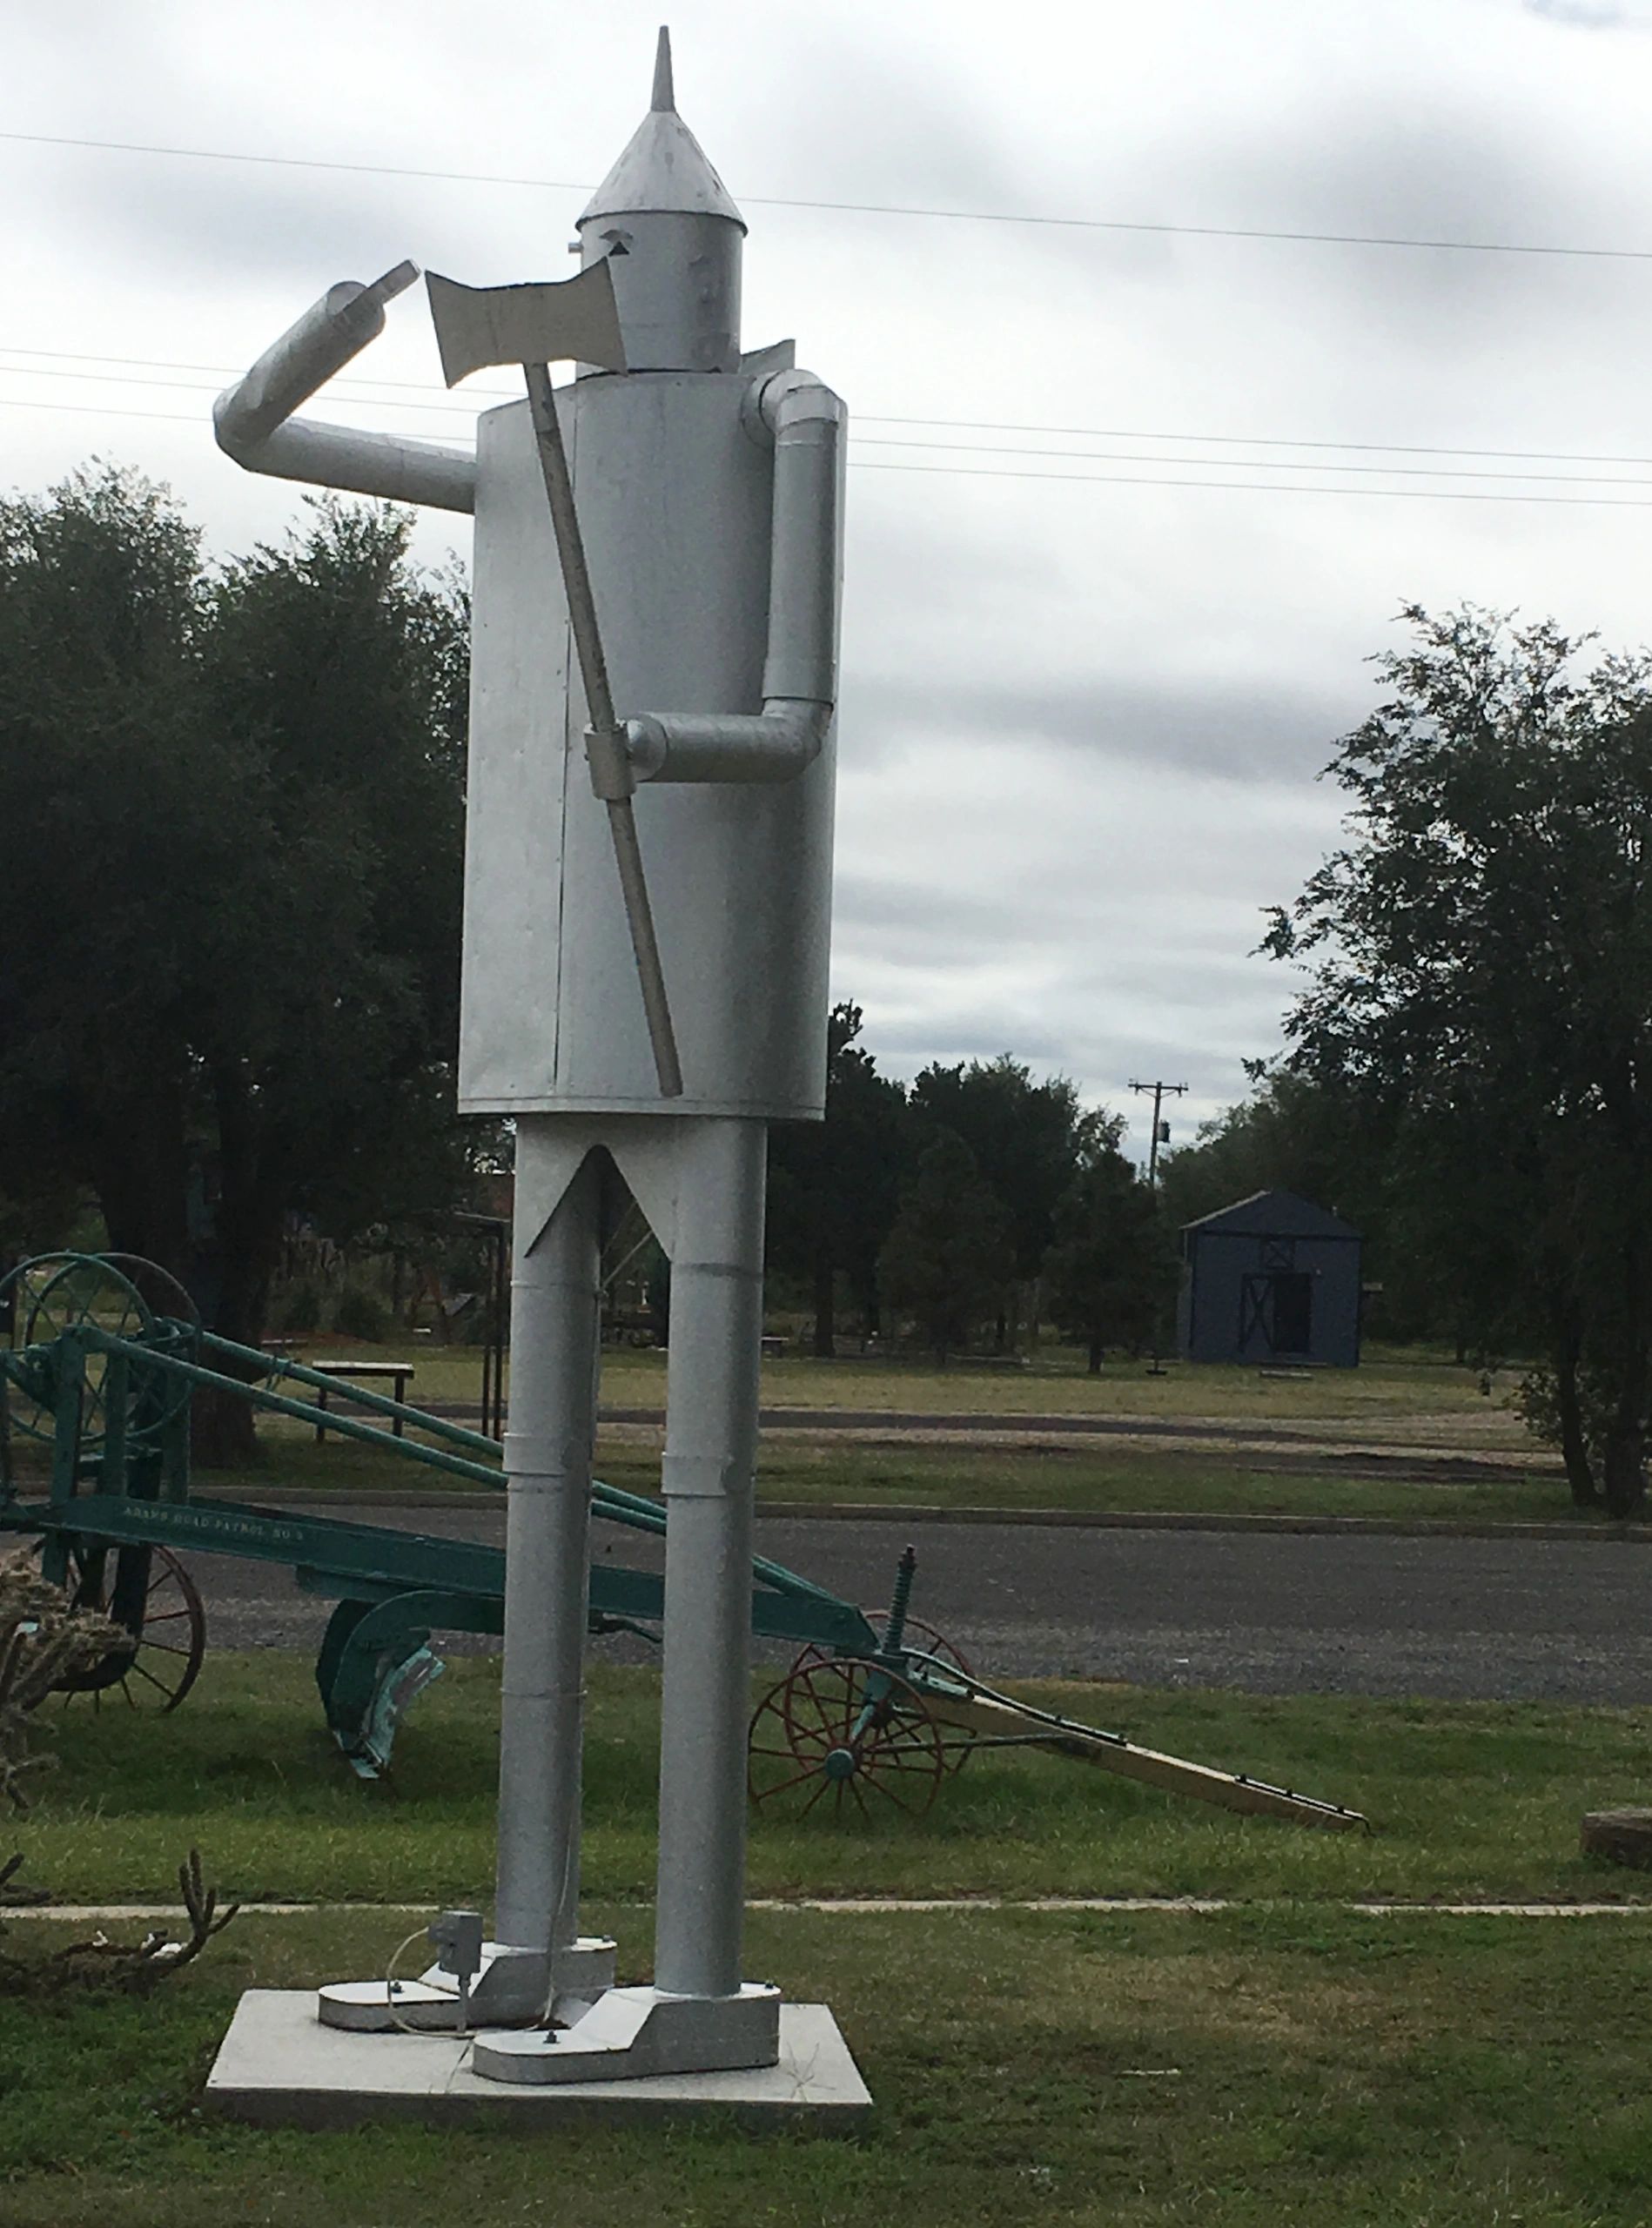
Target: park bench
(399,1372)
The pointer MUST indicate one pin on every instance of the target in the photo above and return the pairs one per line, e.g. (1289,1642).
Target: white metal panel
(513,806)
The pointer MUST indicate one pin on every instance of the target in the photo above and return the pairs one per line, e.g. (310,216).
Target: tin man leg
(551,1426)
(711,1450)
(537,1954)
(697,2017)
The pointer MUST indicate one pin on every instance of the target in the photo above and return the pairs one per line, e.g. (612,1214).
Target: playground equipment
(873,1714)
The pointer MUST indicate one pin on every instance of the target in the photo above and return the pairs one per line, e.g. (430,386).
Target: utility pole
(1160,1133)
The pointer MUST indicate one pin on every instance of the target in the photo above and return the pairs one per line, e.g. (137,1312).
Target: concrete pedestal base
(279,2067)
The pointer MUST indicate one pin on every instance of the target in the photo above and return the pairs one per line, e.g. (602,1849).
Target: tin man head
(674,236)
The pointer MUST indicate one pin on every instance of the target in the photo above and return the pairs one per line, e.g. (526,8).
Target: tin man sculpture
(647,889)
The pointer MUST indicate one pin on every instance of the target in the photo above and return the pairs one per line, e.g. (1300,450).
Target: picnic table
(399,1373)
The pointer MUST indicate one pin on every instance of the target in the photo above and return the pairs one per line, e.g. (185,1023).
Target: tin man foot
(539,1957)
(701,1184)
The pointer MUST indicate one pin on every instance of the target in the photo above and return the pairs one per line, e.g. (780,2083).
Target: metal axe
(537,325)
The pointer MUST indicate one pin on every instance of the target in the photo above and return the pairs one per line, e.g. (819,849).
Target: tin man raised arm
(647,921)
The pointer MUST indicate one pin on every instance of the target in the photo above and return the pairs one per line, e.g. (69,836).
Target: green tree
(951,1250)
(1480,957)
(1291,1133)
(119,825)
(1111,1268)
(230,838)
(833,1185)
(1027,1138)
(342,670)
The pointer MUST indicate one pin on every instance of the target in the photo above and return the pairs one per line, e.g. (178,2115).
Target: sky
(1103,626)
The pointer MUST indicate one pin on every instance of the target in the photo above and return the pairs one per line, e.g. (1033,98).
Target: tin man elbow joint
(774,745)
(805,422)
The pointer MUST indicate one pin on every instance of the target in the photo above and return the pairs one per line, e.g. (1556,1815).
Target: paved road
(1282,1613)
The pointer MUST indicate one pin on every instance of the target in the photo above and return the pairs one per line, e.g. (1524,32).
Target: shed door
(1293,1314)
(1276,1314)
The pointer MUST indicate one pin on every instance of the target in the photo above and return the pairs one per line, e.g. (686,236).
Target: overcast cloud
(1082,723)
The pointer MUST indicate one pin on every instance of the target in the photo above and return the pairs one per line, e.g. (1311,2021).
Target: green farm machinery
(100,1357)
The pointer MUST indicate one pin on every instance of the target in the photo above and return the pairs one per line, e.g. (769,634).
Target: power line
(875,418)
(990,472)
(1251,441)
(1253,464)
(441,405)
(225,371)
(1259,486)
(858,208)
(105,410)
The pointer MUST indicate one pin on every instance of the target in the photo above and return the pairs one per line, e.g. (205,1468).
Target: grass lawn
(1246,2071)
(806,1473)
(1389,1385)
(1473,1802)
(1412,1409)
(1082,1475)
(1273,2066)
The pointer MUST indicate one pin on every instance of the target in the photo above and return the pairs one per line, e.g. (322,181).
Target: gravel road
(1516,1619)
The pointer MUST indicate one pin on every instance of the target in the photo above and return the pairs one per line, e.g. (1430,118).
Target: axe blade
(549,321)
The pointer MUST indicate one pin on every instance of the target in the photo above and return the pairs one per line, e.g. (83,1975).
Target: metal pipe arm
(254,423)
(806,422)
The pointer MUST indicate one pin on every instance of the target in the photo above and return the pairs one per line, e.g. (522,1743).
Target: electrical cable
(862,417)
(1249,464)
(856,208)
(995,471)
(427,2034)
(1256,487)
(1247,440)
(970,448)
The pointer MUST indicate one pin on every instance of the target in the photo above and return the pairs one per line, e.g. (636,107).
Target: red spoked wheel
(924,1640)
(840,1737)
(160,1604)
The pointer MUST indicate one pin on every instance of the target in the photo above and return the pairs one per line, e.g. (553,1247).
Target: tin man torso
(675,492)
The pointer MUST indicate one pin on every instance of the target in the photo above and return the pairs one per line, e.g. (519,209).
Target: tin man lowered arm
(806,422)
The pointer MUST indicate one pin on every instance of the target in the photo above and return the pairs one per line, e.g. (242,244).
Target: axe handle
(628,857)
(599,699)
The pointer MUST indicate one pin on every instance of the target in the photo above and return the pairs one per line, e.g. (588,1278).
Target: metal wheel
(157,1395)
(57,1292)
(843,1738)
(118,1292)
(158,1288)
(926,1640)
(149,1591)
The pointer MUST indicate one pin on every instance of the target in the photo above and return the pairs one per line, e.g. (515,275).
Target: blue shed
(1272,1277)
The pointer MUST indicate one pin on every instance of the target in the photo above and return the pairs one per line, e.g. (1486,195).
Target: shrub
(362,1314)
(43,1639)
(302,1313)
